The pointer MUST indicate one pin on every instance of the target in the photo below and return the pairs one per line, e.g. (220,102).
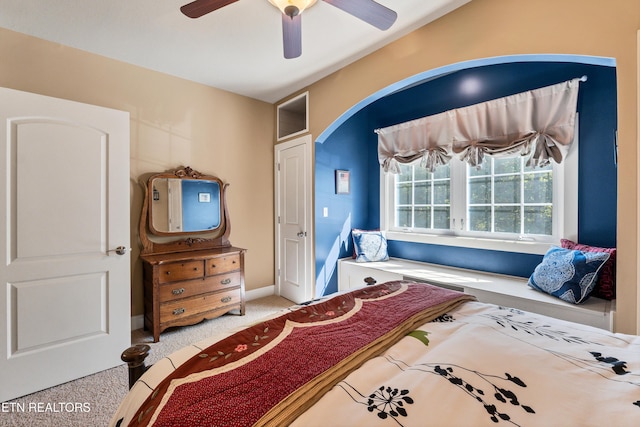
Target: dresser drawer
(223,264)
(198,304)
(189,288)
(175,271)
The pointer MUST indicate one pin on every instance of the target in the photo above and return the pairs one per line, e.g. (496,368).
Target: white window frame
(565,215)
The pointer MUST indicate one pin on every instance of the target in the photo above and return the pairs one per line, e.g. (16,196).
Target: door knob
(120,250)
(302,234)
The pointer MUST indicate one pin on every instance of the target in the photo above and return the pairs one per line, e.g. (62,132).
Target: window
(504,196)
(423,199)
(502,204)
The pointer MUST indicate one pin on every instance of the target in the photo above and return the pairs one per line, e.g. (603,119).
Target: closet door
(64,211)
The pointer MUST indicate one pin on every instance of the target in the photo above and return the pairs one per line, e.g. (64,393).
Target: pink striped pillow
(606,285)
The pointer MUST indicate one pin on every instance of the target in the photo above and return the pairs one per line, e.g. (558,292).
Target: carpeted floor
(92,400)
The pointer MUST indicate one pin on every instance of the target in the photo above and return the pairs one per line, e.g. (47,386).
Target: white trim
(306,113)
(265,291)
(137,322)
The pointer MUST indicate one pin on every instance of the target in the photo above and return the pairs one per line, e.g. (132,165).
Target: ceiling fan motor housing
(291,11)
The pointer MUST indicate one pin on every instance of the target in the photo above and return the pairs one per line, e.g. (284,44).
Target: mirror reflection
(184,205)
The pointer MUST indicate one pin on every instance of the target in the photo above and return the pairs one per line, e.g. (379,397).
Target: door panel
(293,274)
(75,308)
(82,211)
(64,205)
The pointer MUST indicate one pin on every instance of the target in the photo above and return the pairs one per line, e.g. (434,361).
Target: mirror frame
(154,241)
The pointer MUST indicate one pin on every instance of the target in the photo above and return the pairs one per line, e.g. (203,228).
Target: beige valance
(538,123)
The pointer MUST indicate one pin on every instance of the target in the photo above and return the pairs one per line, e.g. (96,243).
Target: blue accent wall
(352,145)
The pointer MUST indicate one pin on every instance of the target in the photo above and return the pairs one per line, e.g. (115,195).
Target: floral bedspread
(272,372)
(484,365)
(475,365)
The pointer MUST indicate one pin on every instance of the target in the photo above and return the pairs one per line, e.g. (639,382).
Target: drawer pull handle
(225,281)
(178,311)
(177,291)
(213,266)
(195,268)
(225,299)
(168,273)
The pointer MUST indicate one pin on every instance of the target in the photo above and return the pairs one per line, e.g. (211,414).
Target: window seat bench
(508,291)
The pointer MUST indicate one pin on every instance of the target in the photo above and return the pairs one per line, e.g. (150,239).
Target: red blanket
(271,372)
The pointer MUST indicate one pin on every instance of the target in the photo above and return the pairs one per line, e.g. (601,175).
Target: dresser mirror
(184,205)
(183,209)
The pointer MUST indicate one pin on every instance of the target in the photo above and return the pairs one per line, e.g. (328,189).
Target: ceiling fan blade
(292,36)
(369,11)
(197,8)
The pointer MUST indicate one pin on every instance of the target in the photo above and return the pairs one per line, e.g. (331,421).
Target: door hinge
(278,166)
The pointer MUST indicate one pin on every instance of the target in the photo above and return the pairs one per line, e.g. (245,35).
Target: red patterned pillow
(606,286)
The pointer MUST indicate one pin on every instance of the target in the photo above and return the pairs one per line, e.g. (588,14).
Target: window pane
(405,173)
(442,172)
(441,217)
(422,193)
(404,193)
(480,190)
(421,173)
(510,165)
(538,188)
(423,217)
(507,219)
(403,217)
(441,191)
(507,189)
(480,218)
(481,170)
(538,220)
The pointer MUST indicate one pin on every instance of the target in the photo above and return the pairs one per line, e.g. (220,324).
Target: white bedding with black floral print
(484,365)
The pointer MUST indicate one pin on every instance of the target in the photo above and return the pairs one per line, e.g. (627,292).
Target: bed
(396,354)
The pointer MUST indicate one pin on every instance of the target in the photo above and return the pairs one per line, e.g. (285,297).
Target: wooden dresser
(191,270)
(184,288)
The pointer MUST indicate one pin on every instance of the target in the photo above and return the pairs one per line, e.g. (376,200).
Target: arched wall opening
(350,143)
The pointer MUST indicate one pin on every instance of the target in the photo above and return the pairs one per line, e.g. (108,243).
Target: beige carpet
(91,401)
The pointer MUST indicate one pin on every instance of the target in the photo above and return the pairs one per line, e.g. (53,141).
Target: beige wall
(174,123)
(487,28)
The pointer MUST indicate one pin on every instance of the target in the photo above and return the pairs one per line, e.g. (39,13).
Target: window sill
(526,247)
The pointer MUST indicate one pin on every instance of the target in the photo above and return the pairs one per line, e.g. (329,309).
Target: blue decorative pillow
(568,274)
(369,245)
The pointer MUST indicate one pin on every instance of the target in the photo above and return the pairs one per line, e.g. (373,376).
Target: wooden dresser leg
(135,356)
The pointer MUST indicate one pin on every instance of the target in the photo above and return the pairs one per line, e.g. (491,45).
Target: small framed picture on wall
(342,182)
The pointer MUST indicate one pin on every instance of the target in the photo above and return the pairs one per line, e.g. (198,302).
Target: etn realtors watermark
(45,407)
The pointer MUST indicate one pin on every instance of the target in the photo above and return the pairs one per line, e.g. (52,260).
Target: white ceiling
(237,48)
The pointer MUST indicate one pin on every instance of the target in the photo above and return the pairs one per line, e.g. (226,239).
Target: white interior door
(294,268)
(64,208)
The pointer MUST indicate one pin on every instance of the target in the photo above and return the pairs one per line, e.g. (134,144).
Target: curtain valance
(538,123)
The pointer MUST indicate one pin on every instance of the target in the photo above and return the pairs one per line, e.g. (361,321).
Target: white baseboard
(262,292)
(137,322)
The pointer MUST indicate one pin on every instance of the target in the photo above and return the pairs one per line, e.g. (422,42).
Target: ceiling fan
(369,11)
